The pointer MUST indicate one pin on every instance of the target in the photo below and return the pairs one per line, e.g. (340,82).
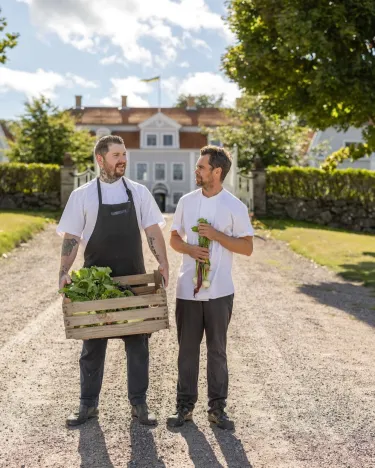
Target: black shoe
(143,415)
(219,417)
(178,419)
(82,415)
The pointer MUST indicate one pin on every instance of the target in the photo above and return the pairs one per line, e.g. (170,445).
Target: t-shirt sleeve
(241,222)
(150,212)
(177,223)
(73,218)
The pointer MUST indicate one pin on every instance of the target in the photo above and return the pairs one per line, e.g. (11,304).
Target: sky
(101,49)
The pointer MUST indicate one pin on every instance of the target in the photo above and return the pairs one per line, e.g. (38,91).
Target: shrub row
(29,178)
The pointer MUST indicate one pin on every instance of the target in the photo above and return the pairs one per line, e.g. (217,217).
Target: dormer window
(152,139)
(167,140)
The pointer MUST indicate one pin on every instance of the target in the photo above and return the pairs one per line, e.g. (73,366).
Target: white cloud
(184,65)
(111,60)
(40,82)
(132,87)
(85,23)
(202,83)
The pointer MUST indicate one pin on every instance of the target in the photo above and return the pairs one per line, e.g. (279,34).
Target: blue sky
(100,49)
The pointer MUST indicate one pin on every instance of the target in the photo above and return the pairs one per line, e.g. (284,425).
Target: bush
(310,183)
(29,178)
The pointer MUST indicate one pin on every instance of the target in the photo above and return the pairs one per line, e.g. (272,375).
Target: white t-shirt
(227,214)
(81,211)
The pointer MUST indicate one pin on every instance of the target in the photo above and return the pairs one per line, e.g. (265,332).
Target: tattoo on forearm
(68,246)
(151,241)
(63,270)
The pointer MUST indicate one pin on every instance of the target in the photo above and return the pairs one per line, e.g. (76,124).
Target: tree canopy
(314,59)
(45,133)
(7,42)
(275,140)
(201,100)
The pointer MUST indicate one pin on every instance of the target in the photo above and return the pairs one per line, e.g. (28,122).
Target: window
(167,140)
(160,171)
(151,139)
(142,171)
(178,171)
(176,197)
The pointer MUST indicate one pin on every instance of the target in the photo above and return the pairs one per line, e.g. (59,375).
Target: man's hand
(206,230)
(199,253)
(64,279)
(164,270)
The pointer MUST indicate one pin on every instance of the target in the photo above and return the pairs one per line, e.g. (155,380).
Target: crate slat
(108,331)
(135,279)
(141,290)
(149,312)
(117,303)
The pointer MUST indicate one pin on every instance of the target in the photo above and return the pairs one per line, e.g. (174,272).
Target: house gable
(159,131)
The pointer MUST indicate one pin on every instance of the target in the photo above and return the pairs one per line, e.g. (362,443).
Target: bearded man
(105,216)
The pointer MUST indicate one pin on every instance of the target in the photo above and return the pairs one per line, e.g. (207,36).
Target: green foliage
(311,183)
(201,100)
(90,284)
(7,42)
(44,134)
(29,178)
(274,140)
(314,59)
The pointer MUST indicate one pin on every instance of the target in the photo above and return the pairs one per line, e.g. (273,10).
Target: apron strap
(99,192)
(128,191)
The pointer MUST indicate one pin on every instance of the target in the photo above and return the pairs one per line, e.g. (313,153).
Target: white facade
(332,141)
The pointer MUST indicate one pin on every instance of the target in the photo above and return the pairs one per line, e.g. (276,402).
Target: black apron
(116,240)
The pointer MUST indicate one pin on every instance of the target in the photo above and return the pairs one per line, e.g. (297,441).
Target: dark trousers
(193,318)
(92,368)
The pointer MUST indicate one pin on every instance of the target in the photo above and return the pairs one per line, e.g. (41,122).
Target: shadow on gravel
(232,449)
(352,299)
(144,453)
(92,447)
(200,450)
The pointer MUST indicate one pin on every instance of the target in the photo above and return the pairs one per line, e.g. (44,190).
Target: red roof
(134,116)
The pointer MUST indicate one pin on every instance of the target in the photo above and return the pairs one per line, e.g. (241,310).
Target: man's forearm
(241,245)
(179,245)
(156,243)
(69,251)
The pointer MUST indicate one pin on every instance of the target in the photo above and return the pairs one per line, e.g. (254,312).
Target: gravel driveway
(301,356)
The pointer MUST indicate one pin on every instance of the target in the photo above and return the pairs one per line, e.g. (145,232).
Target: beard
(203,183)
(112,174)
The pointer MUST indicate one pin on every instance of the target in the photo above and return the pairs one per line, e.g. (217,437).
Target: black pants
(92,368)
(193,318)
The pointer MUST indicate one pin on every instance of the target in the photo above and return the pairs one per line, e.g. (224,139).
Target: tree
(314,59)
(44,134)
(274,140)
(201,100)
(7,42)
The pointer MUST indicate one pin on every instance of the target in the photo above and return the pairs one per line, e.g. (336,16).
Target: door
(160,200)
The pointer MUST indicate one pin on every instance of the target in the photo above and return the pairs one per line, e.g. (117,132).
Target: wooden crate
(151,298)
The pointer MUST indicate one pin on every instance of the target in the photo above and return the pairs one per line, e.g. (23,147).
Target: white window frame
(157,139)
(165,171)
(183,172)
(173,135)
(148,171)
(173,194)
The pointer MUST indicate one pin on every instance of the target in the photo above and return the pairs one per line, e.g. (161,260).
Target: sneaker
(179,418)
(220,418)
(82,415)
(143,415)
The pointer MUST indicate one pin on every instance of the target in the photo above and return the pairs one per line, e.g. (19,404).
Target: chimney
(124,100)
(78,102)
(191,103)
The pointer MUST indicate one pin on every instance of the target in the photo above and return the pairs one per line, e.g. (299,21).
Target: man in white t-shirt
(207,306)
(105,217)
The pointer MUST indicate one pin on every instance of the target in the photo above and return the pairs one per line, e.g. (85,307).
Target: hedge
(29,178)
(310,183)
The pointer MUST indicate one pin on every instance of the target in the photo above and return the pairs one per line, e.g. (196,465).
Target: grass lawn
(350,254)
(19,226)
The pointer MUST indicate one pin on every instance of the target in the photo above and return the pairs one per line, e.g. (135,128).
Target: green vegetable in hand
(201,268)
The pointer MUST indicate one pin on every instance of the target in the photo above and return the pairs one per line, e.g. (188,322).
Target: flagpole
(159,94)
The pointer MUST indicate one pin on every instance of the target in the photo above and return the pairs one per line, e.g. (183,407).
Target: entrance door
(160,200)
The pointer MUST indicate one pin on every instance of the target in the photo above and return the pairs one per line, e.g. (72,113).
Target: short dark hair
(102,145)
(219,157)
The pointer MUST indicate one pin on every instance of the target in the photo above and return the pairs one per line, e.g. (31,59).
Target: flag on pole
(150,80)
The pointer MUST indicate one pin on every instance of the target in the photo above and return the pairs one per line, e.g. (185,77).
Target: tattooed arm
(68,254)
(156,243)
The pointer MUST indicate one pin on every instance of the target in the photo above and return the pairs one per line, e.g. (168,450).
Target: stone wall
(32,201)
(334,213)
